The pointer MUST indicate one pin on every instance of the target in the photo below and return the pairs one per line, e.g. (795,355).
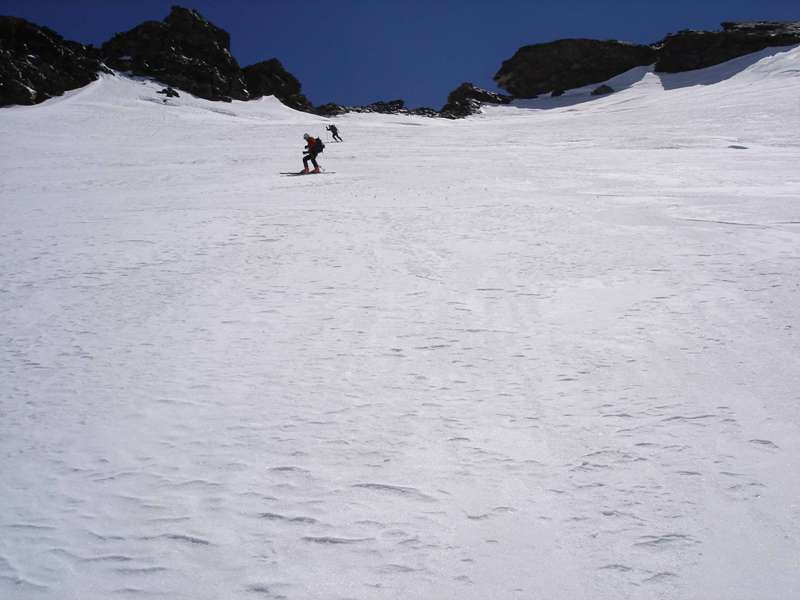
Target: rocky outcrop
(689,50)
(184,50)
(36,63)
(602,90)
(423,111)
(467,99)
(390,107)
(330,109)
(269,78)
(386,107)
(567,64)
(463,101)
(190,53)
(169,93)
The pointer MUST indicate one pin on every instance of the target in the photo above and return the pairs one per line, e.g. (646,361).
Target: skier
(334,132)
(313,148)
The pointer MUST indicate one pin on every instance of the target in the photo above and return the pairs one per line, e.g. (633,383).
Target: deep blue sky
(356,52)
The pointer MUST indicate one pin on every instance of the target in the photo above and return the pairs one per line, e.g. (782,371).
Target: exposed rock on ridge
(386,107)
(190,53)
(689,50)
(270,78)
(184,50)
(467,99)
(36,63)
(567,64)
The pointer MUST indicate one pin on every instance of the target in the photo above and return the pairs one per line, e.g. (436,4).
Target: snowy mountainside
(550,351)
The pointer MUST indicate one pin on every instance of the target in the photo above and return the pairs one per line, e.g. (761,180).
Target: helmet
(306,136)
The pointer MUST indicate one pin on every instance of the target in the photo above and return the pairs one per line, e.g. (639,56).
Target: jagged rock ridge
(565,64)
(689,50)
(184,50)
(386,107)
(36,63)
(192,54)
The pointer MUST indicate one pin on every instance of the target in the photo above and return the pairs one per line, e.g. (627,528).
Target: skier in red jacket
(313,148)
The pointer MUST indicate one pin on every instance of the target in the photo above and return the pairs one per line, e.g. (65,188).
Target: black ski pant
(336,137)
(311,156)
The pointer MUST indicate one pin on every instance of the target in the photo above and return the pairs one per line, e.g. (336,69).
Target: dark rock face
(567,64)
(467,99)
(602,90)
(386,107)
(190,53)
(270,78)
(184,50)
(330,110)
(689,50)
(391,107)
(37,63)
(423,111)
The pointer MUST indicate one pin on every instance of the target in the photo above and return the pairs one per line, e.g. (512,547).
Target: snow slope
(550,351)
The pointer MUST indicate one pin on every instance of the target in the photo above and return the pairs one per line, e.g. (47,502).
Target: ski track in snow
(543,352)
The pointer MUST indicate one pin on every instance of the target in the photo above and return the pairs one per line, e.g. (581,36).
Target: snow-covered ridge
(751,71)
(187,51)
(550,351)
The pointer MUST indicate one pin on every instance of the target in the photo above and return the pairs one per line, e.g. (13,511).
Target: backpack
(320,145)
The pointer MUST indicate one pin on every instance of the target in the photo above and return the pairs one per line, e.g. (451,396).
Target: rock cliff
(689,50)
(188,52)
(36,63)
(185,51)
(556,66)
(567,64)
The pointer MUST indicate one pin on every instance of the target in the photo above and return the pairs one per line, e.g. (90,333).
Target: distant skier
(313,147)
(334,132)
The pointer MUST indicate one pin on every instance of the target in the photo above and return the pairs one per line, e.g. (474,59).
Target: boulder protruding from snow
(169,93)
(602,90)
(467,99)
(36,63)
(689,50)
(568,64)
(184,50)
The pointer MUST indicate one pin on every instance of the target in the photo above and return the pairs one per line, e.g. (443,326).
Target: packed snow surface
(548,352)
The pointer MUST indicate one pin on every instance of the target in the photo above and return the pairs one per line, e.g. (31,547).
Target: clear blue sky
(356,52)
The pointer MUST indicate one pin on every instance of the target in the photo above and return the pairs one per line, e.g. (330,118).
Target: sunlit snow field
(549,352)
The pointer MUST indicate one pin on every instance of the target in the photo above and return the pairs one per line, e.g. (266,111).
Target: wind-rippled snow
(550,351)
